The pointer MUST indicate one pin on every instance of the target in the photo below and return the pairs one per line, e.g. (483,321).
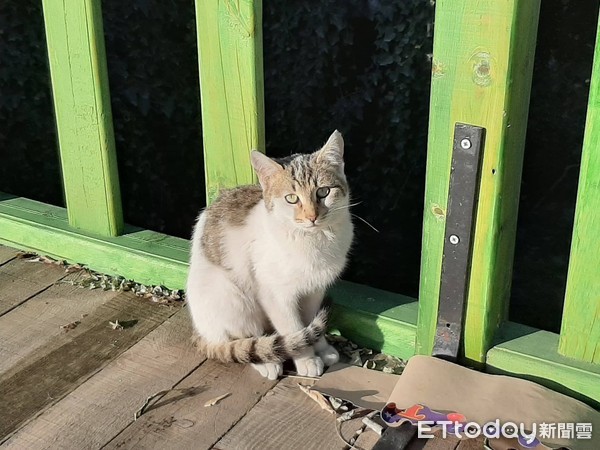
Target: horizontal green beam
(79,76)
(580,331)
(373,318)
(532,354)
(141,255)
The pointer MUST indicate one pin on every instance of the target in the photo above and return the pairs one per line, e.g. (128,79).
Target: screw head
(465,143)
(454,239)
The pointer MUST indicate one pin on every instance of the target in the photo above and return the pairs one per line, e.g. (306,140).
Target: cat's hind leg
(220,310)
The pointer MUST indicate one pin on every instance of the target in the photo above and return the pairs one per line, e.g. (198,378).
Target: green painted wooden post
(231,89)
(83,115)
(482,68)
(580,332)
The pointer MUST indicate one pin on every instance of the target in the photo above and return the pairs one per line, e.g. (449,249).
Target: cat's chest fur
(313,260)
(262,252)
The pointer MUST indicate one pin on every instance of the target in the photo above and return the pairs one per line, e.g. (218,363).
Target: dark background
(359,66)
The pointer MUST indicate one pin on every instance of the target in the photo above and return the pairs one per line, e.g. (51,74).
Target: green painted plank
(580,331)
(141,255)
(83,115)
(533,354)
(374,318)
(482,66)
(231,89)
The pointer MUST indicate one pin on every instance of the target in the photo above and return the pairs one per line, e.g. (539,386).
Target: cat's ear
(332,152)
(264,166)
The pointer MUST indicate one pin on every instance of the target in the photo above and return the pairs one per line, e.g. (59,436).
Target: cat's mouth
(312,226)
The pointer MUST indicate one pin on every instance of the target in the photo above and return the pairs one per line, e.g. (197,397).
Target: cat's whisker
(360,218)
(345,206)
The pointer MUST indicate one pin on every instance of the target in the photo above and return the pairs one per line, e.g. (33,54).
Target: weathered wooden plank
(36,324)
(7,253)
(287,418)
(365,440)
(100,408)
(580,331)
(180,420)
(21,279)
(79,76)
(482,66)
(47,376)
(231,89)
(533,354)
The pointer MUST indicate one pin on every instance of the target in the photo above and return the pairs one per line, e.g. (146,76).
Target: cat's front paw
(269,370)
(329,355)
(310,367)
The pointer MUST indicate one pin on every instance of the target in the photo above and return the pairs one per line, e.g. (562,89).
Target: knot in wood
(482,68)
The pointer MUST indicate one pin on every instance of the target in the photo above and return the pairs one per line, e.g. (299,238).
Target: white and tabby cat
(262,258)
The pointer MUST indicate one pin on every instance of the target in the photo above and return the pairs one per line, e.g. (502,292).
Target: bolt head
(465,143)
(454,239)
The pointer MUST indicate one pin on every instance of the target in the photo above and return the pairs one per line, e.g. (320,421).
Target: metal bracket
(462,206)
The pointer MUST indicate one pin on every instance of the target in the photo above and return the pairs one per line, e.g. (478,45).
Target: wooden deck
(68,380)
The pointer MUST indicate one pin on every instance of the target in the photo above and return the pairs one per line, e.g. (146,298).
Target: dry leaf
(73,268)
(317,397)
(216,400)
(116,325)
(70,326)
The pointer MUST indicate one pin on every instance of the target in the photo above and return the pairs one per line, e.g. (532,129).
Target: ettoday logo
(456,424)
(527,436)
(491,430)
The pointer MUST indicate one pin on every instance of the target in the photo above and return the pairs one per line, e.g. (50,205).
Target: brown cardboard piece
(444,386)
(362,387)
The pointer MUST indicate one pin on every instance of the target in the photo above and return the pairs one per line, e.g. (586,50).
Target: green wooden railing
(482,70)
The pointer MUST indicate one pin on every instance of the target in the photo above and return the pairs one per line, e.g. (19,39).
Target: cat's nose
(312,218)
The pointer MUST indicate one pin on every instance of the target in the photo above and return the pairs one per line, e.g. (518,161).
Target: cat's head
(309,190)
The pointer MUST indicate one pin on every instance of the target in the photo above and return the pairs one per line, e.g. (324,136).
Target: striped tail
(267,349)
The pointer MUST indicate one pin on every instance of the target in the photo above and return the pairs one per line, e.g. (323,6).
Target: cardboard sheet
(366,388)
(480,397)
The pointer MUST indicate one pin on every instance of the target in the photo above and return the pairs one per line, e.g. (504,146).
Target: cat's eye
(291,198)
(323,192)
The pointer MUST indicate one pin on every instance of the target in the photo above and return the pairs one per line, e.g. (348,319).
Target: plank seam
(247,413)
(33,295)
(6,262)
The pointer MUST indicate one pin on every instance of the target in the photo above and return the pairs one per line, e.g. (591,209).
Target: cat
(262,258)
